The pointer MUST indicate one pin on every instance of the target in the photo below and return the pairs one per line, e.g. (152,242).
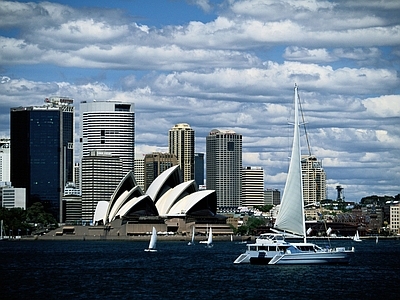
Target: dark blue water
(122,270)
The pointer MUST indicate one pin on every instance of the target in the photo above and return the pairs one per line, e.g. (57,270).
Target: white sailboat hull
(309,258)
(277,253)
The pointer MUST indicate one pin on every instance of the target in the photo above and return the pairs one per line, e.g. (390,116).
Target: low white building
(13,197)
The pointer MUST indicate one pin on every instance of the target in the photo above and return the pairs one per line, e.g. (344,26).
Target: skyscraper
(109,126)
(224,167)
(41,142)
(314,180)
(5,160)
(108,150)
(156,163)
(252,186)
(181,143)
(101,174)
(199,169)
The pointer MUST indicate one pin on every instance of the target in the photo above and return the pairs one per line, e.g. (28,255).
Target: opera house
(170,205)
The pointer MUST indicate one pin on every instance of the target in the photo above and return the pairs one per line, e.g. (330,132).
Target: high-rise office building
(5,160)
(101,174)
(314,180)
(272,197)
(252,186)
(199,169)
(156,163)
(42,152)
(181,143)
(224,167)
(139,172)
(109,126)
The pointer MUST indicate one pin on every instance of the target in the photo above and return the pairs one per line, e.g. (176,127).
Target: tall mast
(291,213)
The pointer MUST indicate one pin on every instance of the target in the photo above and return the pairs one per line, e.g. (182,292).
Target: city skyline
(228,65)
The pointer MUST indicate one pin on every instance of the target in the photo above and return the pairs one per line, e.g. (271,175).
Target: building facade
(156,163)
(139,172)
(199,169)
(252,186)
(395,218)
(41,139)
(101,174)
(314,180)
(181,144)
(13,197)
(5,160)
(224,167)
(272,197)
(109,126)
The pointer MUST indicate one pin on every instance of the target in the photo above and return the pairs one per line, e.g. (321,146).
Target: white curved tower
(109,126)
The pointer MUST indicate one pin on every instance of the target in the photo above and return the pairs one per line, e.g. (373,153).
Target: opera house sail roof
(167,196)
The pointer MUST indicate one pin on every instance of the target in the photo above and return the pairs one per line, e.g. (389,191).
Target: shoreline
(171,238)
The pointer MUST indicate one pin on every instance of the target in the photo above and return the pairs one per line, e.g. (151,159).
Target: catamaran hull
(340,256)
(255,257)
(323,258)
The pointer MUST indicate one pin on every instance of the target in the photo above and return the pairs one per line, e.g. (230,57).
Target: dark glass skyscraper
(42,153)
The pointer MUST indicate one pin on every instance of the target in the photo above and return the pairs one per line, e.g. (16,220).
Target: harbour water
(122,270)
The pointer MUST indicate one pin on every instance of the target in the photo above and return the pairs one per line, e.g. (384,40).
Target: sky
(224,64)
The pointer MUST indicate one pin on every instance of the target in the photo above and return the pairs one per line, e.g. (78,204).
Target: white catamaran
(271,248)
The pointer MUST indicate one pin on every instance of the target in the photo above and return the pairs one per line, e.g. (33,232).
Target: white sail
(291,213)
(192,241)
(209,240)
(356,237)
(153,241)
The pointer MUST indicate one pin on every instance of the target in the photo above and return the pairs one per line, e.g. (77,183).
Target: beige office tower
(181,144)
(314,180)
(156,163)
(253,186)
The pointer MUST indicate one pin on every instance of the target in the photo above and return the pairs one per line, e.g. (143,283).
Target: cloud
(385,106)
(233,67)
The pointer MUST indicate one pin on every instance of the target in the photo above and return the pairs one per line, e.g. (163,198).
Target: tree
(251,226)
(264,208)
(36,214)
(14,221)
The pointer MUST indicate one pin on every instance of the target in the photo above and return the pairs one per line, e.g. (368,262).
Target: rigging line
(304,125)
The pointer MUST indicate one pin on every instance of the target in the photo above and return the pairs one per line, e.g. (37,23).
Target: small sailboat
(356,237)
(153,242)
(209,243)
(376,240)
(191,243)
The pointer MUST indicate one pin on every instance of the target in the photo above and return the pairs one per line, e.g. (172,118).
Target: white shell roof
(128,176)
(158,183)
(120,202)
(128,205)
(167,200)
(101,211)
(186,203)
